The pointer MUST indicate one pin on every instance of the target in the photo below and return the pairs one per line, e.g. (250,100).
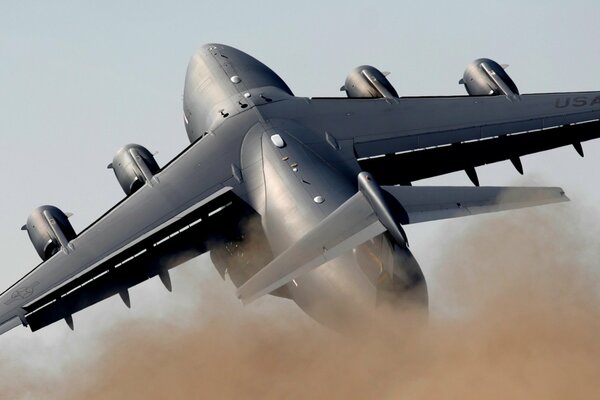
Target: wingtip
(246,300)
(245,296)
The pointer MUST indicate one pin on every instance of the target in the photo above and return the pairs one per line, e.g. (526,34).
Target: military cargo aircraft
(303,198)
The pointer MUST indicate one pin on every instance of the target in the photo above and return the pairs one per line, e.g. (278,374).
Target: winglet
(343,88)
(109,166)
(24,227)
(461,82)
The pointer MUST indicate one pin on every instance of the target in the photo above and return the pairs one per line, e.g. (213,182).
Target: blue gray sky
(77,81)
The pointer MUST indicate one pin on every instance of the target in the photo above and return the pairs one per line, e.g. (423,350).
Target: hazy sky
(79,81)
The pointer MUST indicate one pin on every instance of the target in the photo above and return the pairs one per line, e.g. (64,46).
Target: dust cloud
(519,318)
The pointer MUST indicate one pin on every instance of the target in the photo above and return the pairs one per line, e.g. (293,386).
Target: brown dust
(519,318)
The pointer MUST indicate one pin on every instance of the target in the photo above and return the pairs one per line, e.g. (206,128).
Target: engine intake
(485,77)
(134,166)
(50,231)
(368,82)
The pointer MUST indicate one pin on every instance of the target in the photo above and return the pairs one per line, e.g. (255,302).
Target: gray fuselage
(291,187)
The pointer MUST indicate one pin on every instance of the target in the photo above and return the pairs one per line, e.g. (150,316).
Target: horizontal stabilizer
(352,224)
(430,203)
(357,221)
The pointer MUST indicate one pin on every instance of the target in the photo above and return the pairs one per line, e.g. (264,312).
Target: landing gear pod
(368,82)
(485,77)
(134,166)
(50,231)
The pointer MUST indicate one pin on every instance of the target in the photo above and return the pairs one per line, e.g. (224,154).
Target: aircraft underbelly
(298,191)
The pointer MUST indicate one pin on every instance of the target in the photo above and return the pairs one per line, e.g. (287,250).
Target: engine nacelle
(50,231)
(368,82)
(134,166)
(485,77)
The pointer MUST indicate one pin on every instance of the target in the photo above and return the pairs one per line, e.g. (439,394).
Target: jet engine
(50,231)
(134,166)
(368,82)
(485,77)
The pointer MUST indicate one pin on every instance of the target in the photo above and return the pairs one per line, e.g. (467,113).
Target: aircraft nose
(247,69)
(229,53)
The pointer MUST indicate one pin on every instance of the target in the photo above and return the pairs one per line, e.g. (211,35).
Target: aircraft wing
(156,228)
(405,139)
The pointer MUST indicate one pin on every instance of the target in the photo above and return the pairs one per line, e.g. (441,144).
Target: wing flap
(408,167)
(181,239)
(118,280)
